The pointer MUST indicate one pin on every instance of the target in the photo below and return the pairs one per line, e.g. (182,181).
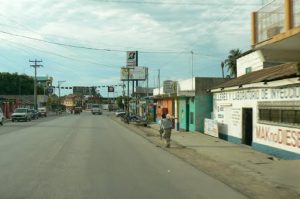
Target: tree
(230,62)
(120,102)
(222,67)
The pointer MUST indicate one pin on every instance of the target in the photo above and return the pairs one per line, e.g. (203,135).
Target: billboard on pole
(84,90)
(110,89)
(135,73)
(170,87)
(132,58)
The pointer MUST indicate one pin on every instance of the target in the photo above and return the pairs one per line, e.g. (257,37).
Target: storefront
(264,115)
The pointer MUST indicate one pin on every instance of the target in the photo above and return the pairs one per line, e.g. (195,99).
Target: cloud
(211,28)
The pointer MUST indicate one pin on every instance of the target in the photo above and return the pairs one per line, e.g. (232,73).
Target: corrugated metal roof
(265,75)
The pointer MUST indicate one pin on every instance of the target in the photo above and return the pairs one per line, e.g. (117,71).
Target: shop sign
(211,127)
(169,87)
(132,58)
(280,136)
(259,94)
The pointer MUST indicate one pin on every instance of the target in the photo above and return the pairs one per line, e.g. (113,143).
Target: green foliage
(230,62)
(120,102)
(15,84)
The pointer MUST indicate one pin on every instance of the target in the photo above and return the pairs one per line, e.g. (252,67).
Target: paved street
(92,156)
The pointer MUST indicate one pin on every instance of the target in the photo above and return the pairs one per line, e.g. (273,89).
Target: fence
(296,13)
(270,20)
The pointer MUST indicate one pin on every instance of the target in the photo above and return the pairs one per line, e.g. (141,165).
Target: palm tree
(222,67)
(230,62)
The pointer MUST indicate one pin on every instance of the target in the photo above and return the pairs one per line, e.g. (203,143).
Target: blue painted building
(195,102)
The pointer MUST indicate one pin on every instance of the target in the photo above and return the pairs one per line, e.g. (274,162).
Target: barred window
(284,112)
(288,116)
(264,114)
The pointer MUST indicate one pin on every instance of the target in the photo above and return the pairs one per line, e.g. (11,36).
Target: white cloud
(205,28)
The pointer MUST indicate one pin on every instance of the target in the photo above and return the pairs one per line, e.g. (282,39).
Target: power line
(60,44)
(174,3)
(35,66)
(99,49)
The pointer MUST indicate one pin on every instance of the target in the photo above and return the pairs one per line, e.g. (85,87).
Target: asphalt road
(91,156)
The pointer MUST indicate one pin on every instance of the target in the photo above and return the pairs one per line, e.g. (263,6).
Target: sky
(84,42)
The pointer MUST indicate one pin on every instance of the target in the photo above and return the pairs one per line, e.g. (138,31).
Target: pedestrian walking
(166,126)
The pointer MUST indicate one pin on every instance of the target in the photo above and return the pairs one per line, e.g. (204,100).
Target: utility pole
(58,83)
(158,81)
(128,95)
(35,66)
(192,70)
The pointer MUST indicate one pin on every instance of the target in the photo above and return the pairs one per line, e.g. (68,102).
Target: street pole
(128,94)
(158,81)
(192,70)
(58,83)
(35,66)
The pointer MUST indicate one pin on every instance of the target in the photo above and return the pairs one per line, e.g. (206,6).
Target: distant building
(190,103)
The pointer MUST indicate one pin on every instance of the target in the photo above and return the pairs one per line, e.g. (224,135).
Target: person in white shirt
(166,126)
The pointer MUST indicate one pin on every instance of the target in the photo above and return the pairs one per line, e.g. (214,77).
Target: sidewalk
(283,174)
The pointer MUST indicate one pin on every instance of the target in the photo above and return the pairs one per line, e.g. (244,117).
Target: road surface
(92,156)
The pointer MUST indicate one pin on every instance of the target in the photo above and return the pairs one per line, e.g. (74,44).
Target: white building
(262,109)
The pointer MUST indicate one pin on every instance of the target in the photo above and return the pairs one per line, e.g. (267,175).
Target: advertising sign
(82,90)
(50,90)
(135,73)
(211,127)
(110,89)
(169,87)
(132,58)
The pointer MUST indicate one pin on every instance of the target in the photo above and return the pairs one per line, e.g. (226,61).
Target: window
(264,114)
(285,112)
(288,116)
(297,117)
(248,70)
(275,115)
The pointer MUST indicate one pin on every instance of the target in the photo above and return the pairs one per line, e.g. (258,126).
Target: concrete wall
(281,55)
(200,107)
(203,109)
(254,60)
(203,84)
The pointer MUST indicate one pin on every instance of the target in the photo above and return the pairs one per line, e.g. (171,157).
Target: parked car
(34,114)
(77,110)
(96,109)
(21,114)
(120,113)
(42,112)
(1,117)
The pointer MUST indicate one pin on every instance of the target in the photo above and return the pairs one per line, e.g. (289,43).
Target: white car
(120,113)
(21,114)
(1,117)
(96,109)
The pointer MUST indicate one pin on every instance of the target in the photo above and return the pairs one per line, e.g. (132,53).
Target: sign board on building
(50,90)
(170,87)
(132,58)
(211,127)
(135,73)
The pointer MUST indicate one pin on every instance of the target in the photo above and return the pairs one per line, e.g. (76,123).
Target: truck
(42,111)
(96,109)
